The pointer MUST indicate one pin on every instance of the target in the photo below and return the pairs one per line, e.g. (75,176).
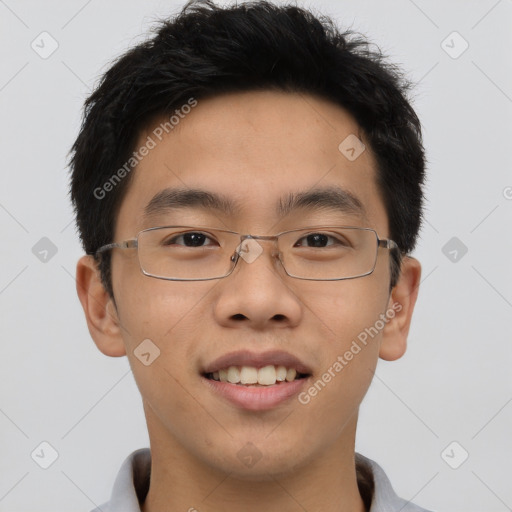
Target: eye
(320,240)
(189,239)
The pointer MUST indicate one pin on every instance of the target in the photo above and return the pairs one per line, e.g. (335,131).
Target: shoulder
(376,489)
(131,484)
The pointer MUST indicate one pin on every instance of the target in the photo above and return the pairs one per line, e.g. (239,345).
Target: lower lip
(256,398)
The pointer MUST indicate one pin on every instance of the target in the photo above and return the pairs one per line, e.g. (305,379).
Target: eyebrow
(333,199)
(177,198)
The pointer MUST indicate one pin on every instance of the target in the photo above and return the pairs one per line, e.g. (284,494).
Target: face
(254,149)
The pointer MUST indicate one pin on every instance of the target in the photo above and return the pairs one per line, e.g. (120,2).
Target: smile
(251,376)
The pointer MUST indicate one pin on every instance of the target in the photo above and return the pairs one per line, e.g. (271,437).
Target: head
(247,108)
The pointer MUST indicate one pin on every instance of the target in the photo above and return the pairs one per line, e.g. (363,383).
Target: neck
(326,483)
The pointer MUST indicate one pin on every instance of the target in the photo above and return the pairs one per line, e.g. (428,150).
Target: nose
(257,294)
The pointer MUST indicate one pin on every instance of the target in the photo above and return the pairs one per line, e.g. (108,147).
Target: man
(247,186)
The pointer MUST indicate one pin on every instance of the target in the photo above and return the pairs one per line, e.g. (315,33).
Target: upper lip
(248,358)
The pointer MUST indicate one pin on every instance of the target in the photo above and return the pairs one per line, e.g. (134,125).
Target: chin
(262,465)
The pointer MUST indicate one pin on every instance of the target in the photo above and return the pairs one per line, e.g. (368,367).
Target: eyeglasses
(186,253)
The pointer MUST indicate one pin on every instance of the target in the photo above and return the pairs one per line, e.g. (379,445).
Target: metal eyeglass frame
(385,243)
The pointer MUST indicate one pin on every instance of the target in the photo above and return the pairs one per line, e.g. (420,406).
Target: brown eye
(319,241)
(191,239)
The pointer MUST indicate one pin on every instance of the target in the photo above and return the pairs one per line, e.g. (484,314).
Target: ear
(99,308)
(400,308)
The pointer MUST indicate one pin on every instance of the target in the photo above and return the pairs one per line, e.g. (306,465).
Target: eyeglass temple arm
(127,244)
(386,243)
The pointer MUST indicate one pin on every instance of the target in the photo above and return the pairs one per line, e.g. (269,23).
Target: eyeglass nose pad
(278,255)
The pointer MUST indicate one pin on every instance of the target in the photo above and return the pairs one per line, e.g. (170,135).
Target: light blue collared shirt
(132,485)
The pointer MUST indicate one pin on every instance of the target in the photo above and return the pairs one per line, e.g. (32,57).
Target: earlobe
(99,308)
(400,308)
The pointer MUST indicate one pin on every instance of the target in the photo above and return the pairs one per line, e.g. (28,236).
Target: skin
(254,147)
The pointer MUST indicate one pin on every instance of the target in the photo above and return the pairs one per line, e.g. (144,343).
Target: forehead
(255,150)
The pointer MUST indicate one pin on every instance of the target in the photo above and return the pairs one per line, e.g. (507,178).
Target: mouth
(256,381)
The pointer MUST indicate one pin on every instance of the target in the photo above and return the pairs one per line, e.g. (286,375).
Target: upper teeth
(266,376)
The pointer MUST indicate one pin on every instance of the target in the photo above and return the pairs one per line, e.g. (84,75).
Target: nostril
(239,316)
(279,317)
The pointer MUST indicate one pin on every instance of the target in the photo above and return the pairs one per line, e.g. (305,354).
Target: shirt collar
(132,484)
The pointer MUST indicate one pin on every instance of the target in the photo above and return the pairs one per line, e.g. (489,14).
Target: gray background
(454,382)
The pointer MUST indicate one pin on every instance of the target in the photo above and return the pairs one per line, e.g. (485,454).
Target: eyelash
(173,240)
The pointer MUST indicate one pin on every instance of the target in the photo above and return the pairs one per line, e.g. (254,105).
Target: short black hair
(207,50)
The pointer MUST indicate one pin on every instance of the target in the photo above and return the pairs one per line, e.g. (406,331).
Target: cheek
(163,319)
(158,309)
(344,309)
(349,330)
